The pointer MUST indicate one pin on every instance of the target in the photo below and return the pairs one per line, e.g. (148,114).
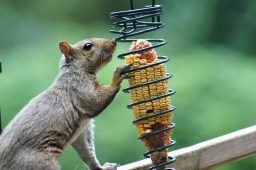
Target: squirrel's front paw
(119,76)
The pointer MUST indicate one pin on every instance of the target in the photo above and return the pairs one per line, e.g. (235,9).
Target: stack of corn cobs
(148,91)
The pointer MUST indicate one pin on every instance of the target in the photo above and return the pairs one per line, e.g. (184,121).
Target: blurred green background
(213,49)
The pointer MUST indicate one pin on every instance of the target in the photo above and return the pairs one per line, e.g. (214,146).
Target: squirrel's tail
(0,124)
(0,108)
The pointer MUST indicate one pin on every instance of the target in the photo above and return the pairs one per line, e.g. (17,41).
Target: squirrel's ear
(65,48)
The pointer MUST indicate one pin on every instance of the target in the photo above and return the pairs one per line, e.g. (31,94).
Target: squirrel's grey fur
(64,113)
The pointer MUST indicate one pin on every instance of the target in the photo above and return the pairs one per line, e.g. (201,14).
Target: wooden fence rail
(221,150)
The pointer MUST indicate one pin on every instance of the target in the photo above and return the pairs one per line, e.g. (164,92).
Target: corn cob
(152,90)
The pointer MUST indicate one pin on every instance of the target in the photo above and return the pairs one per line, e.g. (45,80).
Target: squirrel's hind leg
(86,150)
(85,147)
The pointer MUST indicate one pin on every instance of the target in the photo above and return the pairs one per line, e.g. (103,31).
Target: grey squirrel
(63,114)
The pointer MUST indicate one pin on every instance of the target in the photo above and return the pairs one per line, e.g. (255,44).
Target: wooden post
(221,150)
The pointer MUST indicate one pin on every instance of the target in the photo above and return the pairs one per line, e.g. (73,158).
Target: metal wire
(135,22)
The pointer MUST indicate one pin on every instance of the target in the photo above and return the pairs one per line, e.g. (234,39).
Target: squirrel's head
(89,55)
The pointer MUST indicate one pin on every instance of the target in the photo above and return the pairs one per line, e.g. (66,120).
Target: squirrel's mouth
(106,56)
(111,53)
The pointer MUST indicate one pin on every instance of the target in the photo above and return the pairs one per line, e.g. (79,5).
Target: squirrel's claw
(125,68)
(119,75)
(110,166)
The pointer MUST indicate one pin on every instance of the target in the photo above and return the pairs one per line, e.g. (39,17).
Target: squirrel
(64,113)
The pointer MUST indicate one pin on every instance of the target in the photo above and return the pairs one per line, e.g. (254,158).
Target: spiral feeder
(157,122)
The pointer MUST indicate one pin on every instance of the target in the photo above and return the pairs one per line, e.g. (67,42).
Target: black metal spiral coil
(135,22)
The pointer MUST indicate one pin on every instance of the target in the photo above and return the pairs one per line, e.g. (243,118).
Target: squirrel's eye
(87,46)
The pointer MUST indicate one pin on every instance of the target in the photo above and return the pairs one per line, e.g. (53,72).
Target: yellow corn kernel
(150,69)
(152,87)
(148,91)
(136,65)
(150,76)
(143,80)
(146,96)
(150,73)
(145,88)
(137,73)
(136,60)
(143,62)
(143,71)
(143,76)
(149,108)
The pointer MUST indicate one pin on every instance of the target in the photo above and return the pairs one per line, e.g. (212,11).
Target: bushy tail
(0,123)
(0,108)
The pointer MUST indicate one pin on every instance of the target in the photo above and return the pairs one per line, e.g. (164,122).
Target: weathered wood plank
(231,147)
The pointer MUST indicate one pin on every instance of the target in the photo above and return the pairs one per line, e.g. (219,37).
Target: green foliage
(213,63)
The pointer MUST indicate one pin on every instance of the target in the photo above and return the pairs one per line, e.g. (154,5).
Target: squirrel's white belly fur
(82,126)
